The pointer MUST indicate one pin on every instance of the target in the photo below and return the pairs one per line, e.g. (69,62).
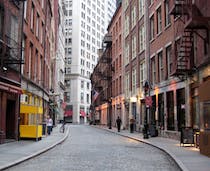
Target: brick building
(107,78)
(134,60)
(115,29)
(37,42)
(10,64)
(177,29)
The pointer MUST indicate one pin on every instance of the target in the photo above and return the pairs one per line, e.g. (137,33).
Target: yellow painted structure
(31,115)
(31,131)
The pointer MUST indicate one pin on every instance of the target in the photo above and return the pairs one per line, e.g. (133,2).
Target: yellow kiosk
(31,114)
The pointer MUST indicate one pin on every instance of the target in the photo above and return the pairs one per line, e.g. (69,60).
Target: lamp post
(145,131)
(110,113)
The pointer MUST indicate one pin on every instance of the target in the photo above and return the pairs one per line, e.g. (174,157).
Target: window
(134,81)
(32,16)
(151,2)
(23,53)
(141,8)
(126,53)
(152,29)
(41,33)
(167,15)
(82,84)
(25,9)
(13,31)
(133,17)
(160,66)
(88,98)
(29,60)
(37,26)
(169,60)
(126,25)
(127,83)
(159,20)
(133,47)
(153,70)
(142,75)
(141,38)
(43,3)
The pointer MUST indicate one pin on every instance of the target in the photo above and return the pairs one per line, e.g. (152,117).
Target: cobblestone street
(89,148)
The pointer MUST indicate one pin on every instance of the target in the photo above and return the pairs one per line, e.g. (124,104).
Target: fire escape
(101,78)
(191,20)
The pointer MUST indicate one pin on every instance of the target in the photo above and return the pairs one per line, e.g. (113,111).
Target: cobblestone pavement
(92,149)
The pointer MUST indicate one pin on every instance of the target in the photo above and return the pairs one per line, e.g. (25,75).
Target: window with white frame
(126,25)
(127,84)
(32,16)
(141,8)
(160,66)
(37,25)
(133,46)
(133,17)
(82,97)
(82,84)
(141,38)
(126,4)
(159,20)
(142,75)
(126,53)
(134,81)
(25,9)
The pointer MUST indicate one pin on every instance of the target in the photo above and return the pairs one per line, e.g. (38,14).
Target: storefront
(31,116)
(204,97)
(9,112)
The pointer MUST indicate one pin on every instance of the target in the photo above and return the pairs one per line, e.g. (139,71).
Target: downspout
(20,69)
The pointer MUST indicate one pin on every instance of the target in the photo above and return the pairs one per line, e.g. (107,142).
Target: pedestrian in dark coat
(118,121)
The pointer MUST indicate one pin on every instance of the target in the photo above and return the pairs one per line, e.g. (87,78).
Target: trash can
(153,130)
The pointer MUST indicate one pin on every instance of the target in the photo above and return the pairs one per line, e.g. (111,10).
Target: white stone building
(59,85)
(85,27)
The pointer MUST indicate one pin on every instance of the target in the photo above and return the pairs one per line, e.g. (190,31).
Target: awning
(68,113)
(10,88)
(82,113)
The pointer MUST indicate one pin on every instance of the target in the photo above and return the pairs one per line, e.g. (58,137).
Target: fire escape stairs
(184,53)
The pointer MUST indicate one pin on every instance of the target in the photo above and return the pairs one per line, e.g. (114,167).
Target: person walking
(118,121)
(49,124)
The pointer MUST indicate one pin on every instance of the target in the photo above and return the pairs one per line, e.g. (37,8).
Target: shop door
(10,119)
(180,108)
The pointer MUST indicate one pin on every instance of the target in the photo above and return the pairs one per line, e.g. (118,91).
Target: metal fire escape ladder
(184,53)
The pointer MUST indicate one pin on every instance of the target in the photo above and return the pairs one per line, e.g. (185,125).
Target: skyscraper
(85,26)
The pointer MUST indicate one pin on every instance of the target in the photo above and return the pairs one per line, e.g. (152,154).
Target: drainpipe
(20,72)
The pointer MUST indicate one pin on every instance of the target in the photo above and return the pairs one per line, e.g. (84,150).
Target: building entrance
(10,119)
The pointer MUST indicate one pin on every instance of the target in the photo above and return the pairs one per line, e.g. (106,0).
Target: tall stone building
(85,26)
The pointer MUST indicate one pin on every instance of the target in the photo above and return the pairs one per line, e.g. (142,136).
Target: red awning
(11,88)
(68,113)
(82,113)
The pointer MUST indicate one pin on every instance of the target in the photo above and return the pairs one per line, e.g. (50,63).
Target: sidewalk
(188,158)
(16,152)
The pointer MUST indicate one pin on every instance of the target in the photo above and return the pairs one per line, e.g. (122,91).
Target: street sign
(148,101)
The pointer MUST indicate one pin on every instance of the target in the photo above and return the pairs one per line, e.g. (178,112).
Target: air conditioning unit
(24,98)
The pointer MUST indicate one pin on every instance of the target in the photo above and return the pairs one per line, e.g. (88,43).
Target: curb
(176,160)
(16,162)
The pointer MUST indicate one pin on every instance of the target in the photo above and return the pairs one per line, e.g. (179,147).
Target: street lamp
(145,131)
(110,113)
